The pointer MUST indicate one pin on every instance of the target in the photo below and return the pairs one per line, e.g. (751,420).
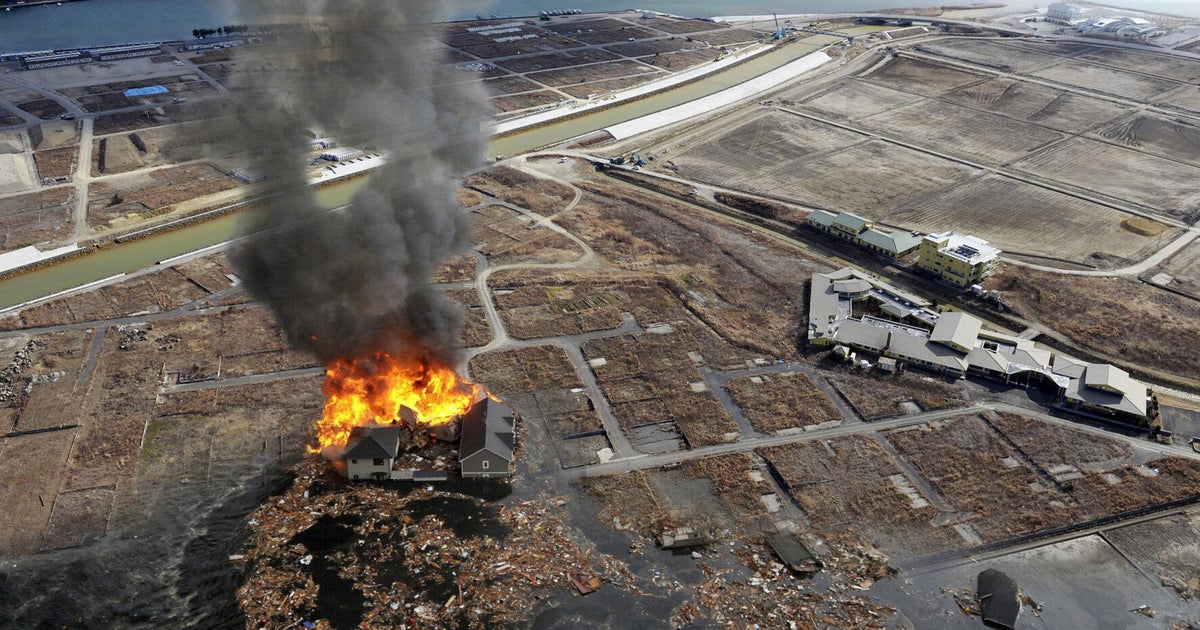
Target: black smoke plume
(370,73)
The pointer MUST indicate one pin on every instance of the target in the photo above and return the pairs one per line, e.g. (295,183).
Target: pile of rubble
(130,335)
(410,561)
(22,360)
(772,596)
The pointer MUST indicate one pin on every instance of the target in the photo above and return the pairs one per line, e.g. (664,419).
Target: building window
(486,464)
(378,462)
(356,476)
(354,461)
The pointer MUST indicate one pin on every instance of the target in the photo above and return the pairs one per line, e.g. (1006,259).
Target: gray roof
(988,360)
(896,243)
(858,333)
(957,330)
(487,425)
(821,217)
(1066,366)
(853,222)
(851,285)
(1126,395)
(912,347)
(373,442)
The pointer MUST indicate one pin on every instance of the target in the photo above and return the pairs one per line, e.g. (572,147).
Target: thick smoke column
(354,281)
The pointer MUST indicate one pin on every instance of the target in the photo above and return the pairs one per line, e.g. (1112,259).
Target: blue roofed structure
(149,90)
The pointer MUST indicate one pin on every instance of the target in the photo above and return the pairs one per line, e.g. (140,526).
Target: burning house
(371,452)
(376,412)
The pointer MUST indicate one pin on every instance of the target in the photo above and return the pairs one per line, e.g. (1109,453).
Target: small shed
(371,452)
(485,449)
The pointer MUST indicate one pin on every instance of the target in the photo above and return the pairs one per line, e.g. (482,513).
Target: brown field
(154,193)
(878,395)
(510,85)
(45,109)
(733,279)
(770,142)
(855,99)
(56,162)
(1162,184)
(1021,218)
(458,269)
(1050,445)
(1125,320)
(648,378)
(1039,104)
(32,467)
(1109,81)
(132,121)
(506,236)
(962,459)
(592,72)
(991,54)
(921,77)
(676,27)
(593,35)
(36,217)
(560,59)
(682,60)
(1186,98)
(582,90)
(163,145)
(1158,65)
(523,189)
(955,130)
(781,401)
(525,100)
(476,331)
(843,484)
(1185,268)
(1177,139)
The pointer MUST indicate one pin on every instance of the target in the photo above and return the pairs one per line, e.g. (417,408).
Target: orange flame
(360,392)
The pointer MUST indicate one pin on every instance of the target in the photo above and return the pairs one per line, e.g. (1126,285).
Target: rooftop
(965,247)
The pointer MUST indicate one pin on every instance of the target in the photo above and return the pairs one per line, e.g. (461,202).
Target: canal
(134,255)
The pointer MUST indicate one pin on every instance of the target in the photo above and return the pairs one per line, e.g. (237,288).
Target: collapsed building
(853,311)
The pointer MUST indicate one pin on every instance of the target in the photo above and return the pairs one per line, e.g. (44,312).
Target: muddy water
(170,571)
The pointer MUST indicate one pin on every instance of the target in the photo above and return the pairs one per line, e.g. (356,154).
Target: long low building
(863,233)
(851,309)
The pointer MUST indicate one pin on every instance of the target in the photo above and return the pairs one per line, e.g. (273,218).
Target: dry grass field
(781,401)
(1185,268)
(1177,139)
(852,100)
(992,54)
(594,72)
(844,485)
(56,162)
(1148,63)
(1155,182)
(1096,78)
(921,77)
(36,217)
(1123,319)
(1039,104)
(876,395)
(1022,218)
(955,130)
(1050,445)
(964,461)
(1186,98)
